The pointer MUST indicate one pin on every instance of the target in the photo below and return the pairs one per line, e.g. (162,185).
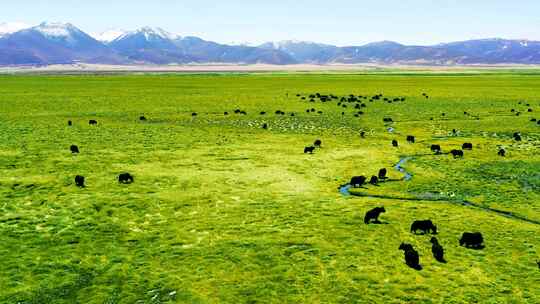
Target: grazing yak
(374,180)
(424,226)
(517,136)
(70,123)
(92,122)
(457,153)
(142,118)
(382,173)
(436,149)
(395,143)
(79,181)
(265,126)
(125,178)
(410,139)
(317,143)
(372,216)
(363,134)
(412,259)
(467,146)
(388,120)
(74,149)
(437,250)
(225,113)
(472,240)
(502,152)
(309,150)
(358,181)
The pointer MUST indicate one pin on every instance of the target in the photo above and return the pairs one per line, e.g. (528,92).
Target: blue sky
(341,22)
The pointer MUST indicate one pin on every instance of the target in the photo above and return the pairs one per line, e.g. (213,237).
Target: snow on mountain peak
(156,31)
(109,35)
(150,33)
(12,27)
(56,29)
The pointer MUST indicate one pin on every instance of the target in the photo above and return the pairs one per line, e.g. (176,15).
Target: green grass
(223,211)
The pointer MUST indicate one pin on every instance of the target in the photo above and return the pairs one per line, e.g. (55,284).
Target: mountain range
(63,43)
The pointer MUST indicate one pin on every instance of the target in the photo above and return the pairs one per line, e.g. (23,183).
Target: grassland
(223,211)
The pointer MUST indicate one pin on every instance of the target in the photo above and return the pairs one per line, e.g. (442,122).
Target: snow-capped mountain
(108,35)
(54,42)
(150,45)
(151,33)
(51,42)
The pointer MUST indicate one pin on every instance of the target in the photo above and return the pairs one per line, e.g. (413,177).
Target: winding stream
(407,176)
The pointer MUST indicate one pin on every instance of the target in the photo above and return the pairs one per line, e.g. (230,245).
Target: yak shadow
(415,266)
(478,247)
(441,260)
(423,233)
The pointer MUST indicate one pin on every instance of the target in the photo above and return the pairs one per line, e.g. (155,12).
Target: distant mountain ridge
(63,43)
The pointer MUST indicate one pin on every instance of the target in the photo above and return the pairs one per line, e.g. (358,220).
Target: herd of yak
(472,240)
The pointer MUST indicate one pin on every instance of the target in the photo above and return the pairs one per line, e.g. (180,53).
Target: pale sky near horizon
(340,22)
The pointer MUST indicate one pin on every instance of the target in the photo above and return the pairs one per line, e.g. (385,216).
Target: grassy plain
(223,211)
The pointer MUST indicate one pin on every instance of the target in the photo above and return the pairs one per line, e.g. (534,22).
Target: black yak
(382,173)
(79,181)
(309,150)
(436,149)
(125,178)
(412,258)
(467,146)
(373,215)
(424,226)
(437,250)
(74,149)
(472,240)
(358,181)
(457,153)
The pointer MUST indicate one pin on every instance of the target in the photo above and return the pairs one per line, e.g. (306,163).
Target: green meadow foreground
(224,211)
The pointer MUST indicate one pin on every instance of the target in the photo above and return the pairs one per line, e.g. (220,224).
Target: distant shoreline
(239,68)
